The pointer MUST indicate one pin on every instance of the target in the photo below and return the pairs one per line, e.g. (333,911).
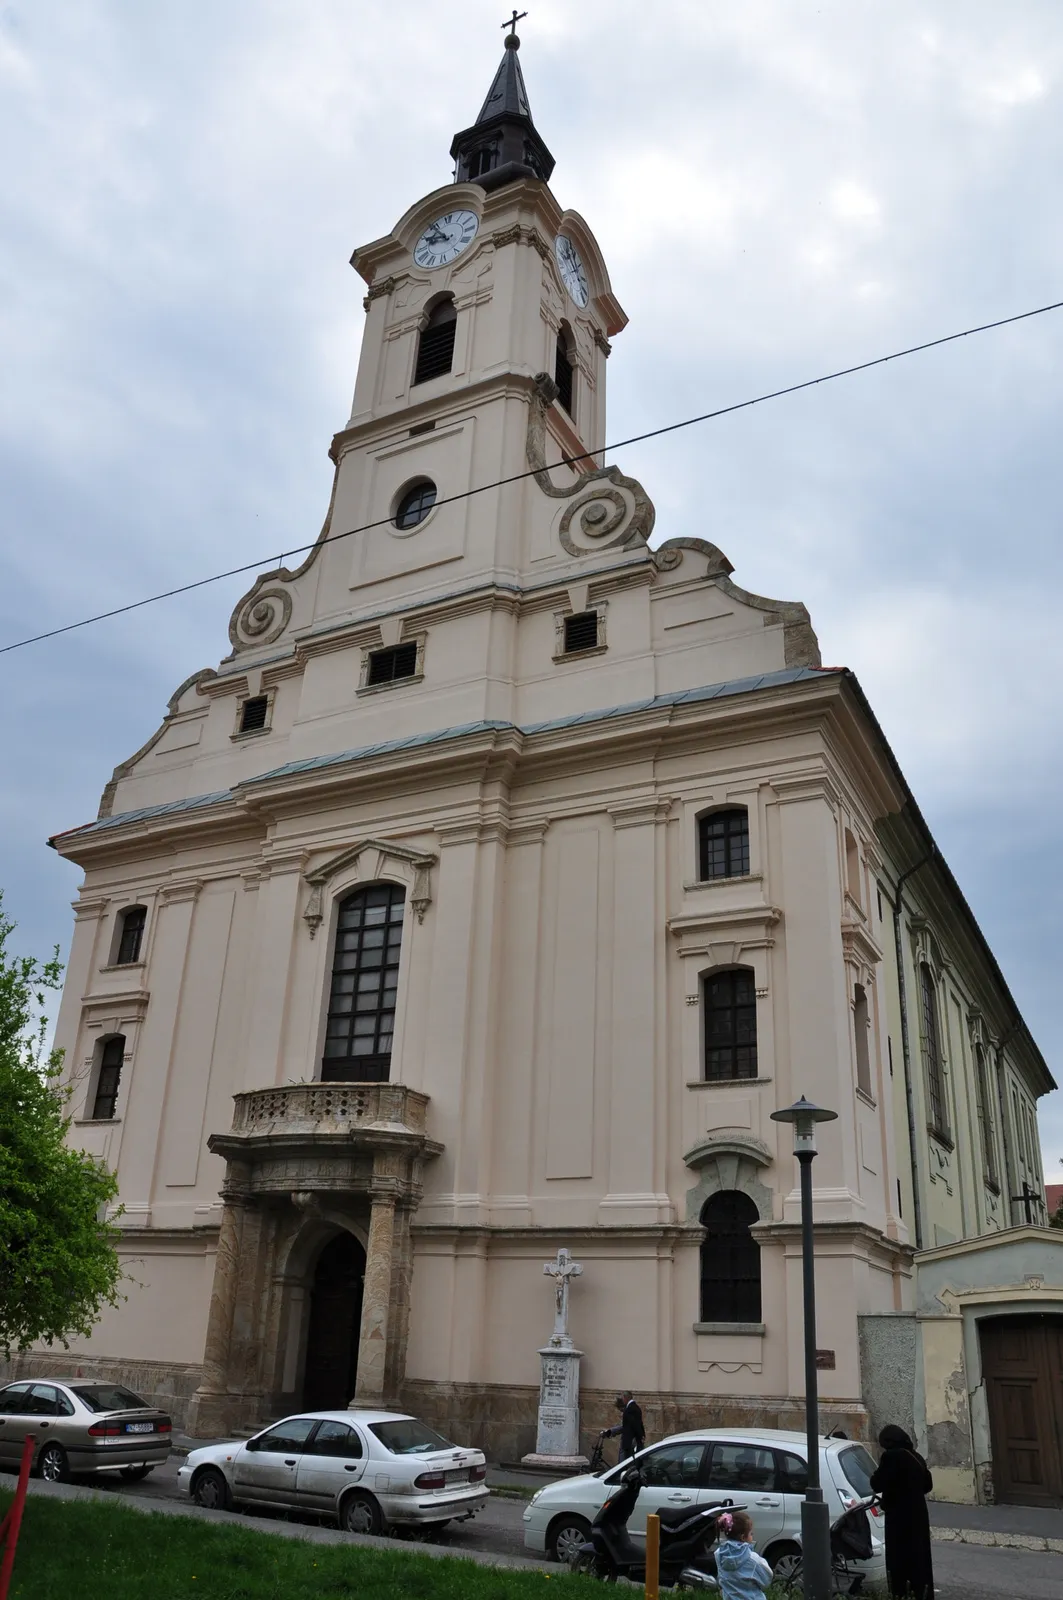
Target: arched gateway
(302,1313)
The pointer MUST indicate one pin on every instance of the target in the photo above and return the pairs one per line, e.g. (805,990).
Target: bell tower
(482,287)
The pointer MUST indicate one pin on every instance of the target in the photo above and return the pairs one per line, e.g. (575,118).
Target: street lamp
(815,1517)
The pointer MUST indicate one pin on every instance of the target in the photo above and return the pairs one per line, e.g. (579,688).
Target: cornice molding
(417,861)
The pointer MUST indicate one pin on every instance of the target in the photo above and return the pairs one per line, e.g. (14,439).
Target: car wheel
(211,1491)
(785,1563)
(135,1474)
(52,1464)
(360,1513)
(565,1537)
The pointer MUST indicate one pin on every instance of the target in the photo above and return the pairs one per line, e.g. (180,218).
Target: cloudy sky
(780,187)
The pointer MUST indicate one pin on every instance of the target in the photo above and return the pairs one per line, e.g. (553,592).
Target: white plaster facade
(540,811)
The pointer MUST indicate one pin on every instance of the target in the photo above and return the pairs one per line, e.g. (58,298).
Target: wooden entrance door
(1022,1363)
(335,1325)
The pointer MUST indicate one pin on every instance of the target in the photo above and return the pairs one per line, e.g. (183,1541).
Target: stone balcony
(326,1136)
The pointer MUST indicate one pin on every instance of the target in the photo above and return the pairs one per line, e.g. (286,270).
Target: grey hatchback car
(81,1426)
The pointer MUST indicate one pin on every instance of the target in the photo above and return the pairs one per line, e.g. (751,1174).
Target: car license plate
(140,1427)
(458,1475)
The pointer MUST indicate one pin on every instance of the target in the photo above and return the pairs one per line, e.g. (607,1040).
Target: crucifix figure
(561,1271)
(514,19)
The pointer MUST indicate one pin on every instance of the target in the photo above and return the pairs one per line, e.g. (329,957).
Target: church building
(487,898)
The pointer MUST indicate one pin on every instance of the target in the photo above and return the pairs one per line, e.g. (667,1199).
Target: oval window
(415,504)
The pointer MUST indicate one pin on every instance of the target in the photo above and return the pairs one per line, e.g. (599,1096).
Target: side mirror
(251,1444)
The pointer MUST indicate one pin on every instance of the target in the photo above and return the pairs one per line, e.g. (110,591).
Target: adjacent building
(489,895)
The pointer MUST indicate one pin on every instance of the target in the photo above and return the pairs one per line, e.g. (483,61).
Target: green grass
(77,1549)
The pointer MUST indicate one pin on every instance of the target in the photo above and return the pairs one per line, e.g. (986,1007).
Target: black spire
(502,145)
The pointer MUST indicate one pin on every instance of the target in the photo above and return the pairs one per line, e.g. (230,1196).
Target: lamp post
(815,1517)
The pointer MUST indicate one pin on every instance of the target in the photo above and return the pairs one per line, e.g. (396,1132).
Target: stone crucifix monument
(557,1440)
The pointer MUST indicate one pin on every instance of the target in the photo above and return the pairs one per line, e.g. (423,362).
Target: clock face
(571,269)
(445,238)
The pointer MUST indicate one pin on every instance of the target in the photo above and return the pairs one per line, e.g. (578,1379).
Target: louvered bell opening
(253,716)
(387,665)
(435,353)
(581,632)
(563,377)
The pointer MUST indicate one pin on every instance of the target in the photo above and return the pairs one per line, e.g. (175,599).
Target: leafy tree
(58,1263)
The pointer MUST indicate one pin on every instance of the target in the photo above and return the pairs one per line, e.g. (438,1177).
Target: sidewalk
(1006,1527)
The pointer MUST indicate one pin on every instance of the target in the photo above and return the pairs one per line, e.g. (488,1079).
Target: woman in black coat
(903,1480)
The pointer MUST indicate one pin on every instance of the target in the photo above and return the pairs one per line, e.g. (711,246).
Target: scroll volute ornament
(611,511)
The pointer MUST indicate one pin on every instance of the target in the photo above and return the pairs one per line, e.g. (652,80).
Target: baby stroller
(850,1540)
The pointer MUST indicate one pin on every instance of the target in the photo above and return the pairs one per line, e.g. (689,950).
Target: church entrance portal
(335,1322)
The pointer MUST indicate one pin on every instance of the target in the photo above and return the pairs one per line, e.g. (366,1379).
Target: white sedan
(762,1469)
(368,1469)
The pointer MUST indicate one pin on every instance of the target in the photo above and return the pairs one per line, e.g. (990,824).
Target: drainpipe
(1002,1102)
(906,1052)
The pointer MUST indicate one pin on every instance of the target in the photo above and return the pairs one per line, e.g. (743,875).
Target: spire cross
(514,19)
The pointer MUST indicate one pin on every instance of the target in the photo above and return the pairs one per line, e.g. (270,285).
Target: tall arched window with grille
(108,1078)
(730,1024)
(565,371)
(730,1259)
(985,1120)
(365,980)
(937,1105)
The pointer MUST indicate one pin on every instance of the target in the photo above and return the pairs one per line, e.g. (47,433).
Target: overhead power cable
(517,477)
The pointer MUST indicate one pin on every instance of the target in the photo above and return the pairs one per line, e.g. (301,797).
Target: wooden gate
(1022,1364)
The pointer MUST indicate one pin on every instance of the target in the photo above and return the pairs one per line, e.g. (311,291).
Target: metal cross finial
(514,19)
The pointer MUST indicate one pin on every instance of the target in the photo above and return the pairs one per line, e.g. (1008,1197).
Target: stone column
(376,1304)
(208,1412)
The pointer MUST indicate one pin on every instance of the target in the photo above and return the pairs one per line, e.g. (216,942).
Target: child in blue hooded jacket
(742,1573)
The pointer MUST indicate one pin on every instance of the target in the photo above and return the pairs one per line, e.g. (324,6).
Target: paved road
(963,1572)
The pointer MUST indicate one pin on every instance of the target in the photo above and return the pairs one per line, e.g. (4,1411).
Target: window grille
(730,1025)
(861,1026)
(108,1078)
(253,715)
(415,504)
(386,666)
(730,1259)
(564,374)
(985,1120)
(935,1078)
(365,978)
(723,844)
(435,349)
(581,632)
(132,936)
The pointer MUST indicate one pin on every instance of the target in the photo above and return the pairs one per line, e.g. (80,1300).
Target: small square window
(581,632)
(253,714)
(387,666)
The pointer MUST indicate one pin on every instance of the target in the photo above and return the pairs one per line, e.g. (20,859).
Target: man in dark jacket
(630,1428)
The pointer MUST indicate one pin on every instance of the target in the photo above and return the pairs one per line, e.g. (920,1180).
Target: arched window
(723,844)
(730,1259)
(130,936)
(435,351)
(365,978)
(730,1024)
(935,1077)
(985,1120)
(861,1025)
(852,869)
(108,1078)
(565,372)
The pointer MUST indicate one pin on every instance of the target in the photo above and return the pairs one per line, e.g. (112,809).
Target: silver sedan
(367,1469)
(82,1426)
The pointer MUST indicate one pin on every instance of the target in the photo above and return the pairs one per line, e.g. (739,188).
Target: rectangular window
(581,632)
(730,1025)
(723,844)
(564,375)
(387,666)
(935,1077)
(133,922)
(253,715)
(108,1079)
